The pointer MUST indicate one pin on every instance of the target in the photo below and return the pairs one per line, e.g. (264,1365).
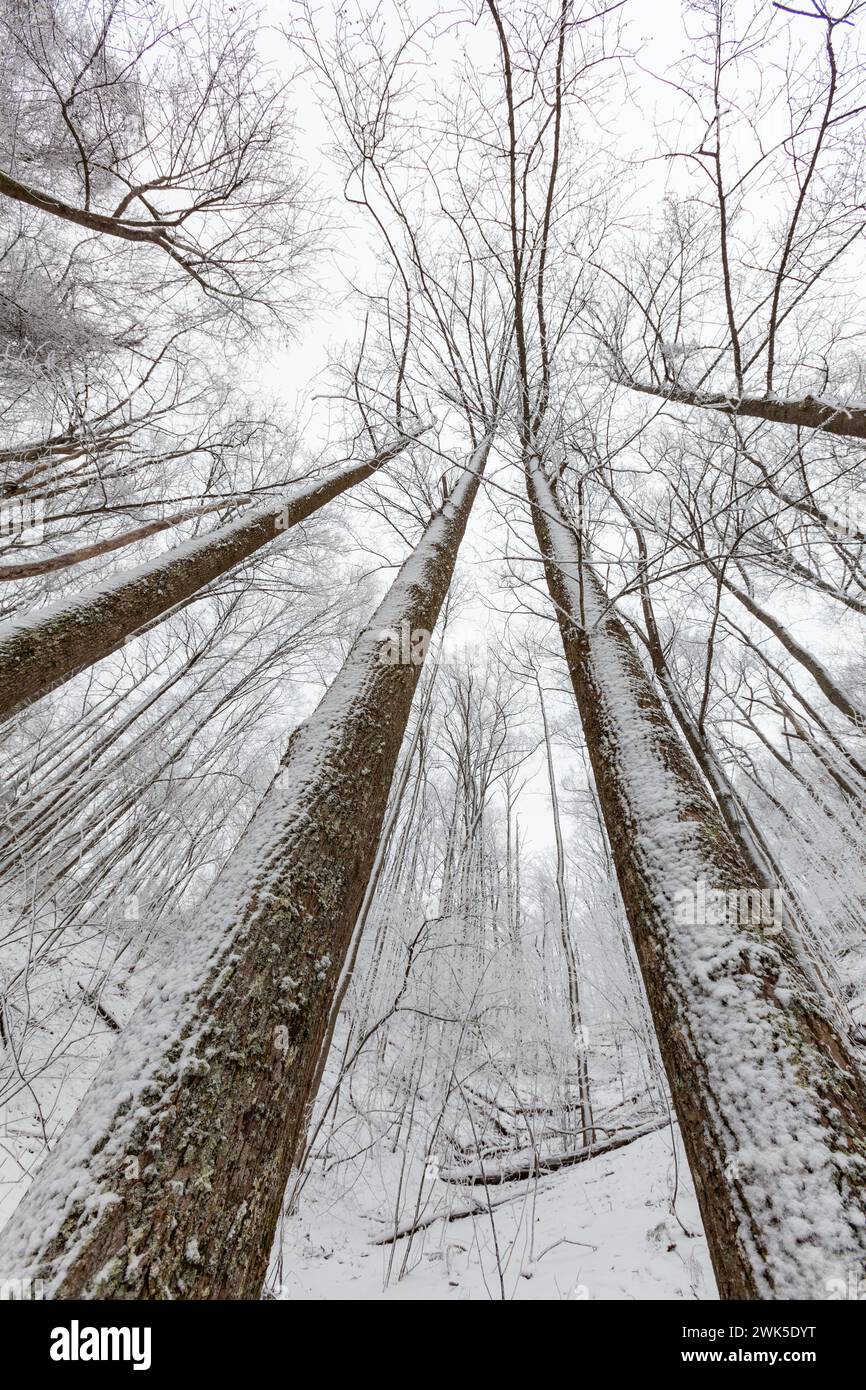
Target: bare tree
(159,130)
(729,307)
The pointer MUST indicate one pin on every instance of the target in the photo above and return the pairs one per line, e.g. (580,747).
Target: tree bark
(809,413)
(168,1181)
(44,649)
(770,1100)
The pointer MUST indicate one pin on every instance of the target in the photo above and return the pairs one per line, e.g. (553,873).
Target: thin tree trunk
(852,763)
(489,1173)
(43,649)
(168,1181)
(820,675)
(572,973)
(770,1101)
(780,562)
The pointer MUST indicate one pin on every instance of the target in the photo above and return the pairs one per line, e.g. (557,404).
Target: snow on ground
(603,1229)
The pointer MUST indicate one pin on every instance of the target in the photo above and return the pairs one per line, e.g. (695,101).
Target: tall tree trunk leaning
(736,815)
(771,1103)
(341,987)
(820,675)
(168,1181)
(41,650)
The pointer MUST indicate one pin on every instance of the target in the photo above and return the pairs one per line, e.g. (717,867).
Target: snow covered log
(169,1179)
(771,1102)
(529,1165)
(41,650)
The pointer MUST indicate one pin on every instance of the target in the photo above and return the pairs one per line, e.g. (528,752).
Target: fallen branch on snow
(535,1164)
(543,1166)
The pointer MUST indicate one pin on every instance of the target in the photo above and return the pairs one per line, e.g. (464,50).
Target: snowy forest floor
(623,1225)
(603,1229)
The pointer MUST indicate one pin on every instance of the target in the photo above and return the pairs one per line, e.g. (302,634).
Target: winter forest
(432,676)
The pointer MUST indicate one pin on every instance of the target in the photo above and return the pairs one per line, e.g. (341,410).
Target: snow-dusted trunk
(737,817)
(370,894)
(168,1181)
(771,1103)
(809,413)
(43,649)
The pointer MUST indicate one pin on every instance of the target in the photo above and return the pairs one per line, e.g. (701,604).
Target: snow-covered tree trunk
(168,1181)
(736,814)
(43,649)
(849,421)
(771,1104)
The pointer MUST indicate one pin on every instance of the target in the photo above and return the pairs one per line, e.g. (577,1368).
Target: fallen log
(410,1227)
(535,1164)
(471,1207)
(476,1207)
